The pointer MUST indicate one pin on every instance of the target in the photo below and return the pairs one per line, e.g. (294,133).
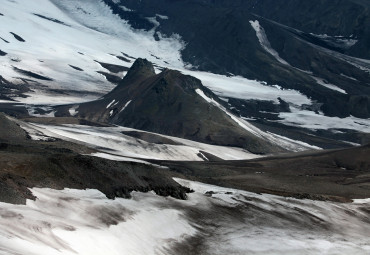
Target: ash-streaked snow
(217,220)
(112,142)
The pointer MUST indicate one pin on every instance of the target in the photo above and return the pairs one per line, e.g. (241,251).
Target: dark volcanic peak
(169,103)
(140,68)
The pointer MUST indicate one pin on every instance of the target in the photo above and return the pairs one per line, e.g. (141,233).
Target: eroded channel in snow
(214,220)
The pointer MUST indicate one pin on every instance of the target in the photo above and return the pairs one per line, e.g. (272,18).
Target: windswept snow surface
(113,143)
(223,221)
(86,222)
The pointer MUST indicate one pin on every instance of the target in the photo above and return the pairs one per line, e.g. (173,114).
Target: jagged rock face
(167,103)
(219,38)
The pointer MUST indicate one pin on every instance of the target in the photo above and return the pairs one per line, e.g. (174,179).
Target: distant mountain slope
(308,46)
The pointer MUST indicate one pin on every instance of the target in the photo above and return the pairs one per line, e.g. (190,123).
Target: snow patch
(262,38)
(314,121)
(73,110)
(125,106)
(110,104)
(242,88)
(162,16)
(324,83)
(117,158)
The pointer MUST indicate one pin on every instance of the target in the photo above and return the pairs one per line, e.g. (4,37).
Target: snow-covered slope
(215,220)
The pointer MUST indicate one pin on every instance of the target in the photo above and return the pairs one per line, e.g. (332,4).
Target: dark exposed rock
(51,19)
(76,68)
(110,77)
(124,59)
(32,74)
(17,37)
(113,68)
(4,40)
